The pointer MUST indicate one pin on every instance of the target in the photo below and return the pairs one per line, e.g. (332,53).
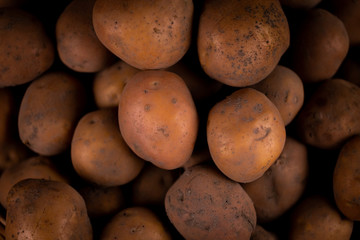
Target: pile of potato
(181,119)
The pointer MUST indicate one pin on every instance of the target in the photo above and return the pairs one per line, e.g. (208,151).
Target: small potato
(145,34)
(109,83)
(134,223)
(330,115)
(246,134)
(346,179)
(49,112)
(77,44)
(151,186)
(99,153)
(158,118)
(26,51)
(36,167)
(241,42)
(283,183)
(45,209)
(319,46)
(12,152)
(285,89)
(315,218)
(204,204)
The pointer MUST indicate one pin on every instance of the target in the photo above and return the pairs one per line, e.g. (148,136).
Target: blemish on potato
(147,107)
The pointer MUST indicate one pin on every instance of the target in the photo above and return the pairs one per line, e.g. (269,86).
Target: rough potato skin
(241,42)
(49,111)
(158,118)
(346,179)
(26,51)
(204,204)
(316,218)
(145,34)
(330,115)
(245,134)
(45,209)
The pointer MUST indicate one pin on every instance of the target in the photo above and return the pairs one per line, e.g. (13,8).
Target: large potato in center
(158,118)
(246,134)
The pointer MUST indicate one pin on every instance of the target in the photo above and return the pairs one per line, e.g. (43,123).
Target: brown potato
(36,167)
(99,153)
(158,118)
(145,34)
(346,179)
(109,83)
(102,202)
(348,12)
(45,209)
(330,115)
(283,183)
(204,204)
(316,218)
(319,46)
(246,134)
(26,51)
(285,89)
(151,186)
(12,152)
(134,223)
(77,44)
(241,42)
(49,112)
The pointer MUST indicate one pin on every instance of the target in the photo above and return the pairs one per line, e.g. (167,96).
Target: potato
(346,184)
(102,202)
(25,48)
(45,209)
(241,42)
(77,44)
(145,34)
(348,12)
(13,152)
(319,46)
(49,112)
(204,204)
(99,153)
(158,118)
(246,134)
(261,233)
(285,89)
(109,83)
(151,186)
(316,218)
(330,115)
(283,183)
(300,4)
(135,223)
(200,155)
(36,167)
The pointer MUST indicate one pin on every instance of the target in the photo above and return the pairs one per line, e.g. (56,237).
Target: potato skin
(204,204)
(134,223)
(77,44)
(320,45)
(45,209)
(158,118)
(283,183)
(99,153)
(241,42)
(153,36)
(109,83)
(285,89)
(49,111)
(36,167)
(316,218)
(26,51)
(346,184)
(245,134)
(330,115)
